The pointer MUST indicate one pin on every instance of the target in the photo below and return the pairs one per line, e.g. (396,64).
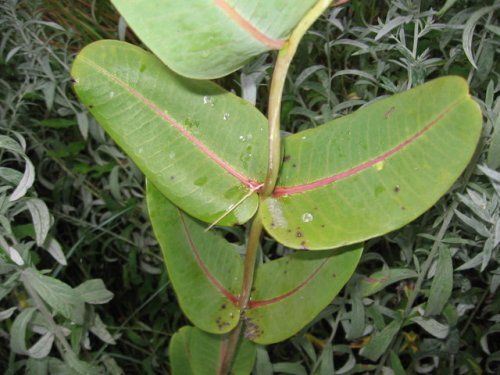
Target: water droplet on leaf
(226,116)
(307,217)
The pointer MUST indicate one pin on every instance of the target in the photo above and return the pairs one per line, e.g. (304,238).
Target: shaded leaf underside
(371,172)
(203,147)
(206,273)
(221,35)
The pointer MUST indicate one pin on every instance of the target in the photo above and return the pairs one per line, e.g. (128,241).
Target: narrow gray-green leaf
(25,183)
(381,341)
(54,248)
(18,331)
(41,219)
(58,295)
(42,347)
(99,329)
(202,147)
(468,33)
(6,314)
(94,292)
(432,326)
(442,284)
(381,279)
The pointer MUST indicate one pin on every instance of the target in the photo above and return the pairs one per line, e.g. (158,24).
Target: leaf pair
(346,181)
(206,273)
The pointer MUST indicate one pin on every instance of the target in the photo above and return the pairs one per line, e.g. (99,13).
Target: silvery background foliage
(82,284)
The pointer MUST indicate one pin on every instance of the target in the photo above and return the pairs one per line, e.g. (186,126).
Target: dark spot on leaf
(223,306)
(142,68)
(91,106)
(172,178)
(294,165)
(221,324)
(289,231)
(273,225)
(303,245)
(298,234)
(389,112)
(252,330)
(334,275)
(322,225)
(397,189)
(403,208)
(286,158)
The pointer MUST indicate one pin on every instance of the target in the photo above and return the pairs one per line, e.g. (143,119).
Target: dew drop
(208,100)
(140,151)
(111,94)
(307,217)
(242,138)
(171,155)
(303,138)
(226,116)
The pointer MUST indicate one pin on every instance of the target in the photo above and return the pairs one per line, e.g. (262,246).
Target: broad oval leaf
(291,291)
(211,38)
(375,170)
(204,148)
(194,352)
(205,269)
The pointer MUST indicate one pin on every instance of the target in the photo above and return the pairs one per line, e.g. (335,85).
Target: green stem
(230,342)
(228,350)
(285,57)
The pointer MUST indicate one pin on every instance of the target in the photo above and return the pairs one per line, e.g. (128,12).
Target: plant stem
(285,56)
(283,61)
(249,265)
(230,343)
(228,349)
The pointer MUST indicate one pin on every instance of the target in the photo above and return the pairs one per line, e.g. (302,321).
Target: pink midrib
(280,191)
(248,27)
(226,293)
(281,297)
(247,181)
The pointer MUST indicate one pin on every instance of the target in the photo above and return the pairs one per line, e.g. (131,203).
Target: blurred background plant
(82,284)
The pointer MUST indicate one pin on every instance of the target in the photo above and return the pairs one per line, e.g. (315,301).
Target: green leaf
(94,292)
(58,295)
(381,279)
(396,364)
(58,123)
(291,291)
(372,172)
(211,38)
(194,352)
(442,285)
(432,326)
(41,219)
(18,331)
(381,341)
(205,269)
(206,273)
(202,147)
